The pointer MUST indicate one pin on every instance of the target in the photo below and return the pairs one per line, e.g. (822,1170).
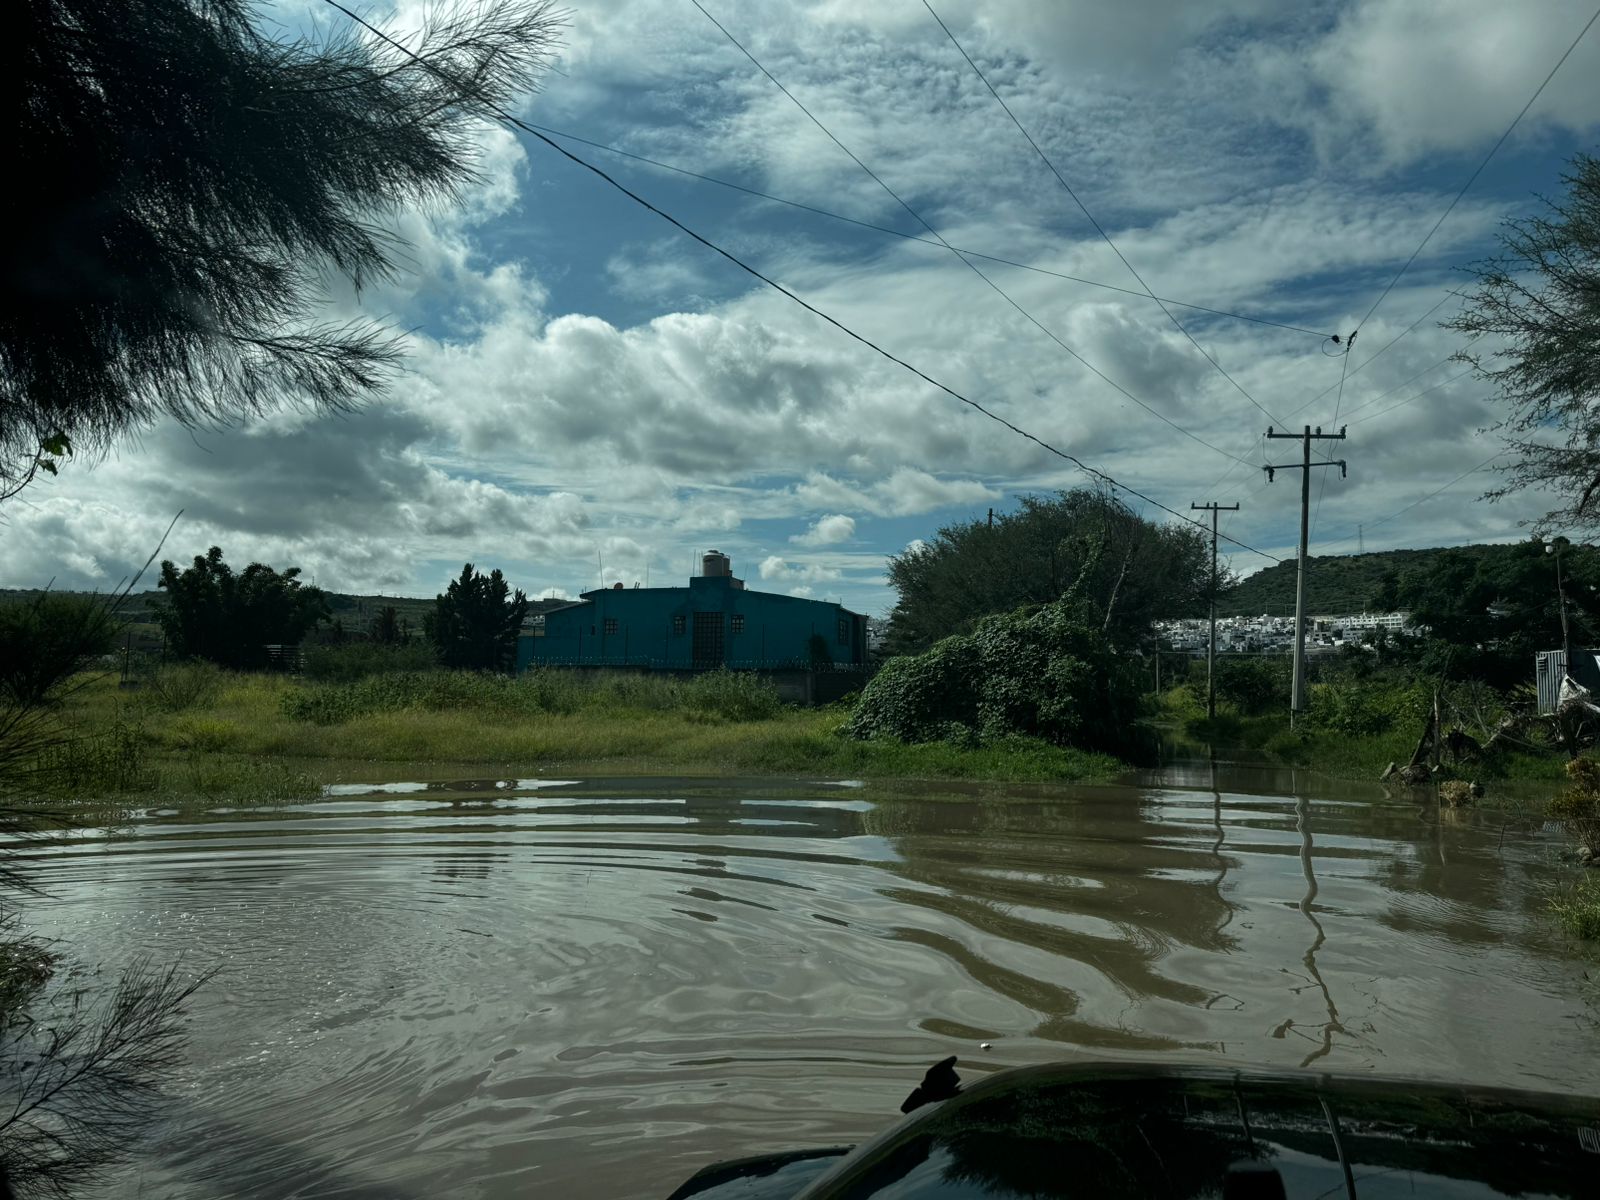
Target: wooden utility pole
(1297,701)
(1211,644)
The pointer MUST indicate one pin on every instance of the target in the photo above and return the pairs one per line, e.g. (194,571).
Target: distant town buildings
(1275,635)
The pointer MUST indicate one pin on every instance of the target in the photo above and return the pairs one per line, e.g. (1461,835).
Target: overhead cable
(1407,383)
(912,237)
(972,266)
(509,119)
(1471,179)
(1365,525)
(1418,396)
(1374,357)
(1100,229)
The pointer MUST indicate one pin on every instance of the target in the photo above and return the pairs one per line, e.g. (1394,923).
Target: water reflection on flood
(499,988)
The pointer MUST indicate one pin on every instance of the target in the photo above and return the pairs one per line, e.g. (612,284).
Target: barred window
(679,624)
(736,623)
(611,625)
(844,631)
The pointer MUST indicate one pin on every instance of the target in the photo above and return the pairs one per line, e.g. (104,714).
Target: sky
(591,395)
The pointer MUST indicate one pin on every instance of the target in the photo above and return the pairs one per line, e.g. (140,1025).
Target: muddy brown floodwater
(592,988)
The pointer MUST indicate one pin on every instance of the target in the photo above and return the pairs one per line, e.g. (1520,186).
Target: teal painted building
(714,622)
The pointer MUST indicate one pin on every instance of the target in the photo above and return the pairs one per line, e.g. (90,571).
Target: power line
(911,237)
(1398,386)
(1471,179)
(506,117)
(1386,347)
(972,266)
(1061,179)
(1418,396)
(1423,500)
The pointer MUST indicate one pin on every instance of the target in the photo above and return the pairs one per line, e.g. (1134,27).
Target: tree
(192,182)
(1128,571)
(230,619)
(1540,301)
(1484,615)
(476,621)
(387,629)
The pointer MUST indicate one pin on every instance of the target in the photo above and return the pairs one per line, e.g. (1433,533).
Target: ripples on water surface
(593,988)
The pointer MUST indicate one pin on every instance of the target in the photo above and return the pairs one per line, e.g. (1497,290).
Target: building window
(736,623)
(679,624)
(611,626)
(844,631)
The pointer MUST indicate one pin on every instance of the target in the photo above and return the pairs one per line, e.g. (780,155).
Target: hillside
(1343,583)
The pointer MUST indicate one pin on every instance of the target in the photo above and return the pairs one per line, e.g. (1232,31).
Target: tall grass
(357,660)
(718,722)
(723,695)
(1577,908)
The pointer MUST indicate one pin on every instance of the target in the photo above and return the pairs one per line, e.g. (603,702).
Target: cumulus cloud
(827,531)
(779,570)
(586,386)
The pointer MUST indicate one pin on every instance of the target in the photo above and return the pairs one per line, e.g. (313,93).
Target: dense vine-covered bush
(1038,671)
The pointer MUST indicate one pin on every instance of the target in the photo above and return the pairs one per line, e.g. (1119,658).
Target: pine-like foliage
(476,621)
(183,184)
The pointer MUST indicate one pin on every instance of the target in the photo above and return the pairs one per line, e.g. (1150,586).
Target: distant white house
(1275,635)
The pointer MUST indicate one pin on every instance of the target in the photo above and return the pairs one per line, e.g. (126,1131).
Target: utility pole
(1297,701)
(1211,645)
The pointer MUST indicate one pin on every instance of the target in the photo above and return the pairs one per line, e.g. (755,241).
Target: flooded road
(594,987)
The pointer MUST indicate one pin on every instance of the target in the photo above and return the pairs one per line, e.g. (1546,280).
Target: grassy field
(194,731)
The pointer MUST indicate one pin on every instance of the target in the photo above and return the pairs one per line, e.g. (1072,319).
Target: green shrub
(178,687)
(1358,709)
(1035,672)
(45,639)
(357,660)
(1255,683)
(1578,806)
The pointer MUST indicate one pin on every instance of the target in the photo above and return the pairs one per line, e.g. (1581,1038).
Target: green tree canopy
(231,619)
(1486,614)
(191,184)
(388,628)
(1539,303)
(1127,571)
(476,621)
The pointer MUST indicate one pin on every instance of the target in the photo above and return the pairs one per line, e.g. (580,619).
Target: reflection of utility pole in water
(1216,847)
(1302,826)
